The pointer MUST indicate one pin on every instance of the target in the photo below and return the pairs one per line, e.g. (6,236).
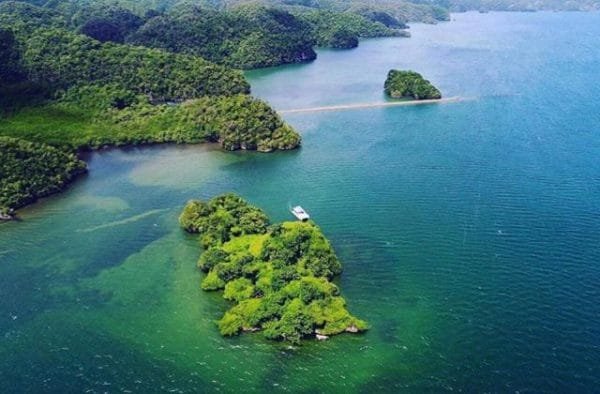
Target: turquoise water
(469,232)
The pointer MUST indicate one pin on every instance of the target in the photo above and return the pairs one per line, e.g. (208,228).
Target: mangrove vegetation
(276,276)
(31,170)
(65,88)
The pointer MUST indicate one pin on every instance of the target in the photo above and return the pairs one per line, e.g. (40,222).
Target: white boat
(300,213)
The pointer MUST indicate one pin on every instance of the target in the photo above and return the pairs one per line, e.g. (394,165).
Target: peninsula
(62,92)
(277,277)
(410,84)
(29,170)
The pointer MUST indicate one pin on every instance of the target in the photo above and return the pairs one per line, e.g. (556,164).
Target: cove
(472,248)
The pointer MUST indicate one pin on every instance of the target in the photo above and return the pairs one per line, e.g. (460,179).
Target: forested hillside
(62,91)
(246,34)
(247,37)
(344,29)
(31,170)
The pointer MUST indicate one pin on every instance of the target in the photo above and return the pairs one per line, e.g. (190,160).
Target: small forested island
(410,84)
(277,276)
(31,170)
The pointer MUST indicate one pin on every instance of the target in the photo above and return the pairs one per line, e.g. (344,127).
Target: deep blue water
(469,231)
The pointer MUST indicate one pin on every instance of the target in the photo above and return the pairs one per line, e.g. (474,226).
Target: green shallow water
(469,232)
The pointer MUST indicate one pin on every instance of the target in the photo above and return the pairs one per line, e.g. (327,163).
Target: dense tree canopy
(277,277)
(107,23)
(73,92)
(410,84)
(24,18)
(93,116)
(11,69)
(64,59)
(343,29)
(240,35)
(415,11)
(246,37)
(30,170)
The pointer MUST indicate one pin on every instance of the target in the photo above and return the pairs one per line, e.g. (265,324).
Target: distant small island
(410,84)
(278,277)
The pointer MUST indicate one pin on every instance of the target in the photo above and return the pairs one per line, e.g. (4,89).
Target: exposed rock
(5,217)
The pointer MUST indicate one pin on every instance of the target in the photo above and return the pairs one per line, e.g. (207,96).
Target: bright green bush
(238,290)
(278,278)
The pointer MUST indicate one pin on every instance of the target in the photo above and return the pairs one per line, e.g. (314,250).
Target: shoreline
(343,107)
(84,154)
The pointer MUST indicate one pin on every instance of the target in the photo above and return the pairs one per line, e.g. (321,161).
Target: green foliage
(278,278)
(238,290)
(212,256)
(93,116)
(111,94)
(215,219)
(107,23)
(343,29)
(11,69)
(383,17)
(247,37)
(212,281)
(63,59)
(117,94)
(333,317)
(402,10)
(293,325)
(30,170)
(410,84)
(25,18)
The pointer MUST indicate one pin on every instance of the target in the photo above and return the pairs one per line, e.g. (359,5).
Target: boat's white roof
(300,213)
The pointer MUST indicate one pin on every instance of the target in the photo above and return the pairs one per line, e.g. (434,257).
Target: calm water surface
(470,232)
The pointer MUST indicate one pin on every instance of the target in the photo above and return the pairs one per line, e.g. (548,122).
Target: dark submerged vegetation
(278,277)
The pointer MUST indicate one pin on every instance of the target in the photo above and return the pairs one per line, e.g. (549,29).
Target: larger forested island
(277,277)
(85,74)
